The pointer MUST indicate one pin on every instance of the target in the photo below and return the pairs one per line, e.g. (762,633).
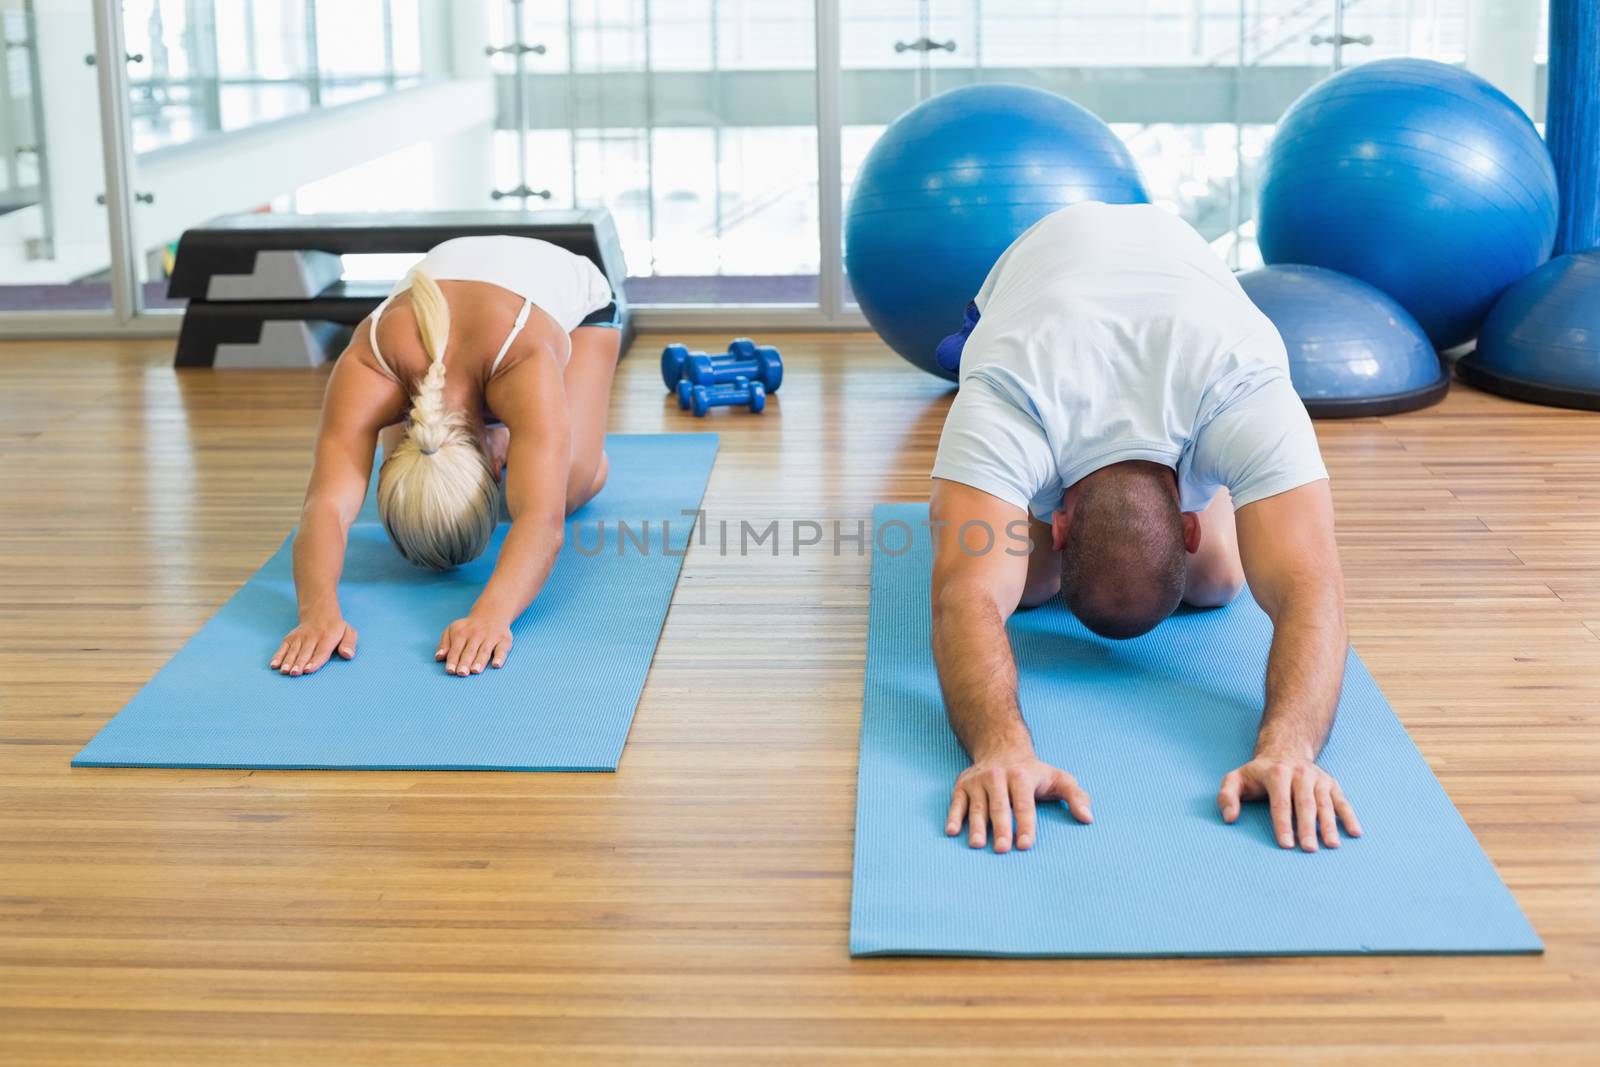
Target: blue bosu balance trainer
(1352,350)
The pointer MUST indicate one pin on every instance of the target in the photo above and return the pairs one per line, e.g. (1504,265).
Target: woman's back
(507,295)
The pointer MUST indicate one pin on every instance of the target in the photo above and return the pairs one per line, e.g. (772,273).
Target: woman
(494,355)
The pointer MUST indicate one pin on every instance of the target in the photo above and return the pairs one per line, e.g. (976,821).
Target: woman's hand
(470,644)
(312,643)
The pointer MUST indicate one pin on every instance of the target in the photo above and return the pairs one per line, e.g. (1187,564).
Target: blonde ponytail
(429,424)
(438,494)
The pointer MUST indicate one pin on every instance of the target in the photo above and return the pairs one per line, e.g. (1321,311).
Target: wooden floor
(694,906)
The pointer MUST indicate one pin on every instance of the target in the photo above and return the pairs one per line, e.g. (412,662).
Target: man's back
(1100,301)
(1111,333)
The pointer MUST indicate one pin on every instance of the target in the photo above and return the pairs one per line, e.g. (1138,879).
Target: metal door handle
(518,49)
(1341,39)
(924,44)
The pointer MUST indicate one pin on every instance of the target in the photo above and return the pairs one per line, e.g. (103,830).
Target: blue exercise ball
(1416,177)
(950,184)
(1352,350)
(1542,340)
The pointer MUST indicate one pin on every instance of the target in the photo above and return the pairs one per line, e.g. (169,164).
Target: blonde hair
(438,495)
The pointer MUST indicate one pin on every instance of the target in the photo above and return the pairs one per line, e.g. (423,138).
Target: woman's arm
(359,402)
(531,399)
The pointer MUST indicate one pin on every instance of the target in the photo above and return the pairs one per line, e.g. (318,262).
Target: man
(1124,402)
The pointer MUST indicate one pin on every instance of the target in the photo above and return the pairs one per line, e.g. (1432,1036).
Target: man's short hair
(1123,566)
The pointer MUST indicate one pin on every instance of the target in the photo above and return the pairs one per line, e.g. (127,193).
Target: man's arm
(974,592)
(1291,561)
(531,399)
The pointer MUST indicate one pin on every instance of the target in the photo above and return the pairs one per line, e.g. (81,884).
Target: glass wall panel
(693,121)
(173,71)
(298,105)
(1503,41)
(1428,29)
(357,58)
(1193,87)
(198,68)
(265,66)
(54,252)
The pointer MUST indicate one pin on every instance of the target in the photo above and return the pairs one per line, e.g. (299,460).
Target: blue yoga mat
(1148,727)
(563,701)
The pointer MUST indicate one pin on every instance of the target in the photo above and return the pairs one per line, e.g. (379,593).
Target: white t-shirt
(1112,333)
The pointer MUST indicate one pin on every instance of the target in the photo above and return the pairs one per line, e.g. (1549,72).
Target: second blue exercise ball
(950,184)
(1416,177)
(1541,342)
(1352,350)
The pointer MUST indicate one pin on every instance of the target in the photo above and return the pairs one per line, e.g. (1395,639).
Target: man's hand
(470,644)
(989,791)
(1302,796)
(312,643)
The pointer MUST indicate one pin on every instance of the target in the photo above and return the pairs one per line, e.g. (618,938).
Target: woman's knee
(580,490)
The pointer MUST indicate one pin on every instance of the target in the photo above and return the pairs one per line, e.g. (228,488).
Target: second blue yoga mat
(563,701)
(1148,727)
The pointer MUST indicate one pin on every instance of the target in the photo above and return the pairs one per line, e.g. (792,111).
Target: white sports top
(566,286)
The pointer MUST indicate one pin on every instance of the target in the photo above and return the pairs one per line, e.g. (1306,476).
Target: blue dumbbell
(745,359)
(672,360)
(743,393)
(686,390)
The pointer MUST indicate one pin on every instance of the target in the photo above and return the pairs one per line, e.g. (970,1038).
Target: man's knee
(1216,590)
(1039,590)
